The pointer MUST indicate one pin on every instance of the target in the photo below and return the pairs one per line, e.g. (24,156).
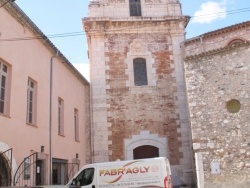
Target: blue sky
(65,16)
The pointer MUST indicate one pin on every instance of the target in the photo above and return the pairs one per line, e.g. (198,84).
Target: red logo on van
(125,170)
(168,182)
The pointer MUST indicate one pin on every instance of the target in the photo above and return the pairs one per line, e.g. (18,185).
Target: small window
(233,106)
(31,102)
(4,74)
(26,173)
(60,116)
(84,178)
(76,124)
(135,7)
(235,41)
(140,72)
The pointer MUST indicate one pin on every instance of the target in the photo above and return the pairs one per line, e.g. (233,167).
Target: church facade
(217,71)
(138,98)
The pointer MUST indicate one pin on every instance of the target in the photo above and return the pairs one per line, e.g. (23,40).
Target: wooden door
(146,151)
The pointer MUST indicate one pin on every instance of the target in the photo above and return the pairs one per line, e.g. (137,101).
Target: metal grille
(25,174)
(135,7)
(140,72)
(72,169)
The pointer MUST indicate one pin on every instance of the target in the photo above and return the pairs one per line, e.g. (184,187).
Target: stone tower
(138,97)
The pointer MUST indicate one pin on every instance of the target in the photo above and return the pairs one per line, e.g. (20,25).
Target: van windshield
(85,177)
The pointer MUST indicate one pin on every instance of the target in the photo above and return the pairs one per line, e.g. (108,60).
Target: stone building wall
(125,116)
(221,137)
(136,108)
(119,8)
(215,40)
(122,111)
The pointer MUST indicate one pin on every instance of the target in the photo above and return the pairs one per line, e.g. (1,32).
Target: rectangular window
(140,72)
(76,124)
(26,174)
(135,7)
(60,116)
(3,87)
(31,102)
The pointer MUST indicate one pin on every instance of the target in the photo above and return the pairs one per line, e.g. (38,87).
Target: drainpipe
(202,45)
(199,170)
(50,118)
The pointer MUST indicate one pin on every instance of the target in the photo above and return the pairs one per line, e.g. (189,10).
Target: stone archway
(5,171)
(7,157)
(145,139)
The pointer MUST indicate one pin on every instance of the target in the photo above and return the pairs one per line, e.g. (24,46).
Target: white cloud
(83,68)
(210,11)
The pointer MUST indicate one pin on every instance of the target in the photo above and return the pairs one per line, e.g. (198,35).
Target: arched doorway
(146,139)
(5,173)
(146,151)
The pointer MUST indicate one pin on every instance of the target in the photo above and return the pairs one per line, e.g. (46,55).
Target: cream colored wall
(30,58)
(120,8)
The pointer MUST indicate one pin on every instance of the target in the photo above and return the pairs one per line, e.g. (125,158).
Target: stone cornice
(218,32)
(96,24)
(218,50)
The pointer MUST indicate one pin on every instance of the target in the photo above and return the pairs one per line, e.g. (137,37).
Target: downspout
(92,145)
(199,170)
(201,42)
(50,117)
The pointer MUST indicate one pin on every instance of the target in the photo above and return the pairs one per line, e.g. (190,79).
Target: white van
(153,172)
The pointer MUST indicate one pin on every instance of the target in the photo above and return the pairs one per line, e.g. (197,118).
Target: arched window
(135,7)
(235,41)
(140,72)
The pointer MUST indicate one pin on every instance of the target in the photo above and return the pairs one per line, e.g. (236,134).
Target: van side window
(85,177)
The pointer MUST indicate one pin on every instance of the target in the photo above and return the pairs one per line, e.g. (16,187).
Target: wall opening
(143,152)
(152,145)
(5,172)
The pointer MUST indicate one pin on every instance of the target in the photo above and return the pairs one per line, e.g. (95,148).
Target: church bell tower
(138,98)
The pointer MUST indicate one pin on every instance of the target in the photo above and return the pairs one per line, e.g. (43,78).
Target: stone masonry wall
(221,138)
(137,108)
(218,39)
(126,116)
(120,8)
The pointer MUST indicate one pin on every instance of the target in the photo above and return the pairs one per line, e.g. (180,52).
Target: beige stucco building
(29,129)
(217,67)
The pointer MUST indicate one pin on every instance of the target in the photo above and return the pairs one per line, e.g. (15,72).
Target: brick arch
(235,41)
(145,138)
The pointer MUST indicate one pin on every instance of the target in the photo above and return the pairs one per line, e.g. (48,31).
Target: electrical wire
(235,11)
(44,37)
(80,33)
